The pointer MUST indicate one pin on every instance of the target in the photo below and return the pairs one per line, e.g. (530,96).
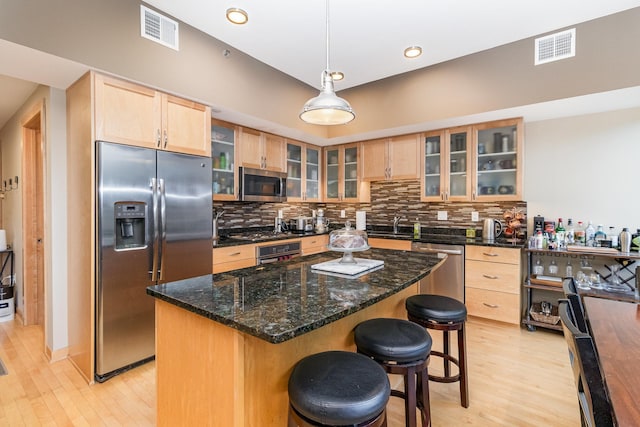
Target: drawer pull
(490,277)
(490,305)
(489,254)
(235,254)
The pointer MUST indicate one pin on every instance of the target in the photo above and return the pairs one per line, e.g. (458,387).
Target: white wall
(55,207)
(56,215)
(585,168)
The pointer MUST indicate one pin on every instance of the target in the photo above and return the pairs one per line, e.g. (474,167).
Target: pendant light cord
(328,69)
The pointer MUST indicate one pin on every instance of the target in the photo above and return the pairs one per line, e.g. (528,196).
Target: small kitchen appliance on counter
(302,224)
(491,229)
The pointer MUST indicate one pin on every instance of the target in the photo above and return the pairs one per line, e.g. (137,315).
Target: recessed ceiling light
(413,51)
(237,16)
(337,75)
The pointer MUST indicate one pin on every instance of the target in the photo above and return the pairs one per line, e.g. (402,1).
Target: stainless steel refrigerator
(153,226)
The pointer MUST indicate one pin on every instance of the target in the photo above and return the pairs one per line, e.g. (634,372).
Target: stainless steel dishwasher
(448,278)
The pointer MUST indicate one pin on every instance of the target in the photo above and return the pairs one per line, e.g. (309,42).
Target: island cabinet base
(210,374)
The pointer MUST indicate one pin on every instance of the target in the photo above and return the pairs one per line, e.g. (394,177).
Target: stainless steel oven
(278,252)
(448,278)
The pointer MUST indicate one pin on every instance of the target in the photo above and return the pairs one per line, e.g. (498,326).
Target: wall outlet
(475,216)
(442,215)
(343,213)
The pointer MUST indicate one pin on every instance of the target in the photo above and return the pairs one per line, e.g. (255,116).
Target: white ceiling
(368,37)
(367,41)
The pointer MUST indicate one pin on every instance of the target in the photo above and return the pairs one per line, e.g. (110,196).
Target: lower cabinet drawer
(233,257)
(494,305)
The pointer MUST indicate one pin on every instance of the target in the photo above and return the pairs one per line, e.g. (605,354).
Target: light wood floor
(517,378)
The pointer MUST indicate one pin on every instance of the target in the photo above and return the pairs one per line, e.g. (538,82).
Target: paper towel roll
(3,240)
(361,220)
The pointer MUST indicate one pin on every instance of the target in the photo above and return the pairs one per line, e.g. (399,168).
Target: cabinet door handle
(490,305)
(489,254)
(473,195)
(158,139)
(490,277)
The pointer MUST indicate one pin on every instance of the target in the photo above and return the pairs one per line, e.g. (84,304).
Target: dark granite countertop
(279,301)
(451,236)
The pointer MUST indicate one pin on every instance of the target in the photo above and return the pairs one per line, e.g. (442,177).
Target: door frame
(33,218)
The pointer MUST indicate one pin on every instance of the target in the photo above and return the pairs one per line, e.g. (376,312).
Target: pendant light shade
(327,108)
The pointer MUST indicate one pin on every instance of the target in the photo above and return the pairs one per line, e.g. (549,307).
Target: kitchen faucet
(396,220)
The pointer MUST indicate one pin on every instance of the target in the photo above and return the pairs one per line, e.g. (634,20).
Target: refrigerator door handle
(162,226)
(155,246)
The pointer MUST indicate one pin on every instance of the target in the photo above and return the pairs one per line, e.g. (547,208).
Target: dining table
(615,328)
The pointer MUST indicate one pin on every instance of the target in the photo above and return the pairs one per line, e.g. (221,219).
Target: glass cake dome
(348,240)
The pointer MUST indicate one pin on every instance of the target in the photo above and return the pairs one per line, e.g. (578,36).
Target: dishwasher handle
(439,251)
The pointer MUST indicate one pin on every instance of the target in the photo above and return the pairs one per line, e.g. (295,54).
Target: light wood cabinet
(314,244)
(233,257)
(401,245)
(342,174)
(498,157)
(482,162)
(223,156)
(303,172)
(261,150)
(131,114)
(391,158)
(492,283)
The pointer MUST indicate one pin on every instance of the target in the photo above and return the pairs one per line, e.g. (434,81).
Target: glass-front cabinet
(303,172)
(473,163)
(446,159)
(223,160)
(342,173)
(434,166)
(459,160)
(498,165)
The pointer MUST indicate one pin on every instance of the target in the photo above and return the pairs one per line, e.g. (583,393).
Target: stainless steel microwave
(258,185)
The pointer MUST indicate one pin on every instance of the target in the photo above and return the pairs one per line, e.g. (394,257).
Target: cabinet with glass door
(433,166)
(303,172)
(342,173)
(498,166)
(447,157)
(223,159)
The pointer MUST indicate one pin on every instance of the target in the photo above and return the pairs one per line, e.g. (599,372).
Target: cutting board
(334,266)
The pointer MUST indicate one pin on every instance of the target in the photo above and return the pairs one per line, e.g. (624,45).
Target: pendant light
(327,108)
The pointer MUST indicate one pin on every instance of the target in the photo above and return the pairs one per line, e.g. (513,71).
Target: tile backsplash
(388,199)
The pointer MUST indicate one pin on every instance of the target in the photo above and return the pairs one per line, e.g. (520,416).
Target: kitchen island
(226,343)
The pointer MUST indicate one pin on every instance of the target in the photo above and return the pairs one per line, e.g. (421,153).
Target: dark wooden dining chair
(575,300)
(595,407)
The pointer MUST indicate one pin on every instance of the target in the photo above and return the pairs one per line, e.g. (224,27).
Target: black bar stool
(400,347)
(338,388)
(444,314)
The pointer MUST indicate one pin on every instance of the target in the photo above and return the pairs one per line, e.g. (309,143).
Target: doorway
(33,186)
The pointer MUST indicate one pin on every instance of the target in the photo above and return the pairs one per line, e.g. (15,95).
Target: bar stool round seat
(400,347)
(338,388)
(445,314)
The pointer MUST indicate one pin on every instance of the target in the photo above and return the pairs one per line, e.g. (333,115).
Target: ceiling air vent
(158,28)
(555,47)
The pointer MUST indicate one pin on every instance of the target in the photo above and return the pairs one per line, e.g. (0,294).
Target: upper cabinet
(446,161)
(261,150)
(342,171)
(497,169)
(223,160)
(473,163)
(391,158)
(303,172)
(131,114)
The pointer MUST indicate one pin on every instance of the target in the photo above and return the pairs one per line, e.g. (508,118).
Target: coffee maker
(322,224)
